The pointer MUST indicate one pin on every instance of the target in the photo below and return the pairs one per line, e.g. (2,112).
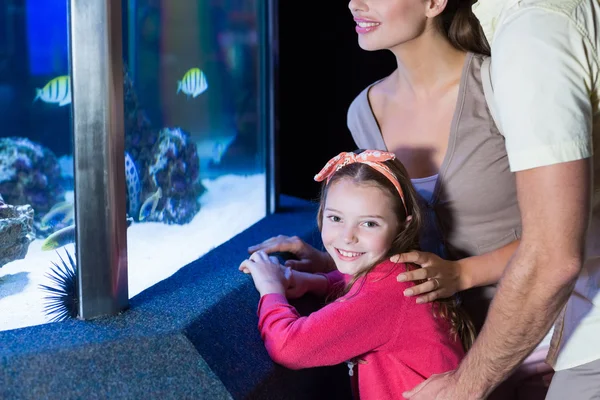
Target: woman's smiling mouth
(365,26)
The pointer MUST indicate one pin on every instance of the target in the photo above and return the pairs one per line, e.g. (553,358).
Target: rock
(16,232)
(30,175)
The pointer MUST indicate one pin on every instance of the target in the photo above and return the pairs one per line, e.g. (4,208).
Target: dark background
(321,70)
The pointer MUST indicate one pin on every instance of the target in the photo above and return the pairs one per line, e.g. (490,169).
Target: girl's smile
(347,255)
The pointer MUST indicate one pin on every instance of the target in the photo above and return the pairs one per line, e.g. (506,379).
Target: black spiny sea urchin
(62,303)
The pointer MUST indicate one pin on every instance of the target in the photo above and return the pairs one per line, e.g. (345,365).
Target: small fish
(66,235)
(58,90)
(219,149)
(59,238)
(149,206)
(62,213)
(193,83)
(132,179)
(217,153)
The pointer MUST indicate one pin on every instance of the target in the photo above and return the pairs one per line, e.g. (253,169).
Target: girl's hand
(268,275)
(443,277)
(309,258)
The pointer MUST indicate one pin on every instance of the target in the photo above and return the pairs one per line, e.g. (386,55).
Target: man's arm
(555,204)
(542,81)
(543,73)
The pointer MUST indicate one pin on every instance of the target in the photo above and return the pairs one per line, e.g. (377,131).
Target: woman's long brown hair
(462,28)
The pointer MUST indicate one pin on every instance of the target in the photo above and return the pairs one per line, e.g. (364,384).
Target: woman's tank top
(474,206)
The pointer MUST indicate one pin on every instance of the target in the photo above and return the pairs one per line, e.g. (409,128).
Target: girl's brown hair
(462,28)
(407,238)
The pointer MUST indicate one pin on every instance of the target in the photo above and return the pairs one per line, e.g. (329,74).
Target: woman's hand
(309,258)
(443,277)
(268,275)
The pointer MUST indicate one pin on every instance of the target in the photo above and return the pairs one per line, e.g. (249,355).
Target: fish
(149,206)
(62,213)
(66,235)
(217,153)
(193,82)
(132,180)
(219,149)
(57,90)
(59,238)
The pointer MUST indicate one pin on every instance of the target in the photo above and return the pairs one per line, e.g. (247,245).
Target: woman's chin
(365,45)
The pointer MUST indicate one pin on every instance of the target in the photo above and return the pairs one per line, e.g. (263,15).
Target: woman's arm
(309,258)
(269,276)
(444,278)
(485,269)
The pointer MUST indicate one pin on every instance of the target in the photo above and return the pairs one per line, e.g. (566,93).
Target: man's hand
(437,387)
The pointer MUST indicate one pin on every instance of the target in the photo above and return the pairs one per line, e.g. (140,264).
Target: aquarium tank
(196,144)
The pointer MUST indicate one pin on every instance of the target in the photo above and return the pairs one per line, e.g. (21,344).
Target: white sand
(155,251)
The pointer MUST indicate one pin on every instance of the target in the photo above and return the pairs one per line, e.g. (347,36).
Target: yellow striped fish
(58,90)
(193,82)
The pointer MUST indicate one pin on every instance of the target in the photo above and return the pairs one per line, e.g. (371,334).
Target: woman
(431,113)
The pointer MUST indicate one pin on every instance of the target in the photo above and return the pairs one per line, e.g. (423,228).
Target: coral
(164,159)
(175,169)
(140,136)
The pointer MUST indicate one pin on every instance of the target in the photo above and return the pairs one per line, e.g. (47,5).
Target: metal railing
(95,39)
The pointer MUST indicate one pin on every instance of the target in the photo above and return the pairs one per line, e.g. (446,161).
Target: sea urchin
(62,303)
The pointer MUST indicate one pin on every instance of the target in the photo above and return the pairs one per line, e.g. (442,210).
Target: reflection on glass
(36,163)
(194,159)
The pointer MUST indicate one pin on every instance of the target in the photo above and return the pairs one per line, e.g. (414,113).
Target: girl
(368,212)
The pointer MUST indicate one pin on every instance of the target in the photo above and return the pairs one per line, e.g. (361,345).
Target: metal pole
(98,139)
(269,51)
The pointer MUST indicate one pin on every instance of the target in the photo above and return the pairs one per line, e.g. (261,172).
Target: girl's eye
(371,224)
(334,218)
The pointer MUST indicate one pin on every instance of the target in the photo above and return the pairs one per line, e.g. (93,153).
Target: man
(545,74)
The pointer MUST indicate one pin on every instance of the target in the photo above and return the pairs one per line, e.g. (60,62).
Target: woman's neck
(426,66)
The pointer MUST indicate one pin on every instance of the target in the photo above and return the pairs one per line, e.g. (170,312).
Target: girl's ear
(407,222)
(435,7)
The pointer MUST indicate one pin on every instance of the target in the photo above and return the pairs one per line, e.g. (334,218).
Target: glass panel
(195,148)
(195,145)
(36,163)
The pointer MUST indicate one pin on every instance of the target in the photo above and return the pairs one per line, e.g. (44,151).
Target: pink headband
(372,158)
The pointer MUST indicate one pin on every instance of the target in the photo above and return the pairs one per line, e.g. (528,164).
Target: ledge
(191,336)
